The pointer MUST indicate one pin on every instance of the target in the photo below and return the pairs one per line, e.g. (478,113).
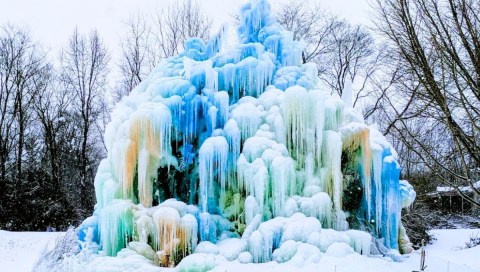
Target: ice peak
(255,16)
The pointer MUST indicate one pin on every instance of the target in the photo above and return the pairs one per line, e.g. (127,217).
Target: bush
(474,241)
(51,259)
(416,221)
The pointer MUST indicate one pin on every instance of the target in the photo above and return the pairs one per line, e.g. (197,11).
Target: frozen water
(220,144)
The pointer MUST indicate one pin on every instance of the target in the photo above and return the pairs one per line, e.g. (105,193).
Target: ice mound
(238,156)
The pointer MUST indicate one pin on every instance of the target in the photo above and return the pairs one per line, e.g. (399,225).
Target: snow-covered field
(20,250)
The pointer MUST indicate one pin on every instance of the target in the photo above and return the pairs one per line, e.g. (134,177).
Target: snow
(20,250)
(232,248)
(245,257)
(339,249)
(446,189)
(143,249)
(198,262)
(207,248)
(450,246)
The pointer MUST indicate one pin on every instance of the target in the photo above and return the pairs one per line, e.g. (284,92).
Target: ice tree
(240,148)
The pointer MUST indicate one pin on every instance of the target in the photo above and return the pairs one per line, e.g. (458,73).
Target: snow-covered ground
(20,250)
(450,245)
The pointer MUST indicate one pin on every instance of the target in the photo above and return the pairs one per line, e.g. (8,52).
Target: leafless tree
(352,55)
(152,37)
(342,51)
(177,23)
(21,65)
(310,23)
(24,75)
(21,61)
(51,108)
(136,49)
(436,109)
(84,64)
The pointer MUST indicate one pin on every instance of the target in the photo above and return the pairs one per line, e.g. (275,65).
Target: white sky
(52,21)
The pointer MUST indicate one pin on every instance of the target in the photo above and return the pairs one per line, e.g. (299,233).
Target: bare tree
(177,23)
(57,134)
(151,38)
(24,73)
(136,50)
(436,110)
(310,23)
(84,73)
(51,109)
(352,55)
(21,62)
(341,51)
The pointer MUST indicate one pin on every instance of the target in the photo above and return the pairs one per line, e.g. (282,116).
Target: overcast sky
(52,21)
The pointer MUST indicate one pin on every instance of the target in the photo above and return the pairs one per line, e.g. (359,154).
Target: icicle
(391,200)
(255,246)
(109,193)
(319,125)
(242,167)
(251,209)
(124,160)
(360,241)
(213,157)
(283,183)
(256,182)
(377,161)
(333,113)
(232,134)
(145,186)
(102,177)
(388,202)
(340,223)
(322,205)
(201,73)
(271,232)
(331,160)
(150,134)
(221,103)
(303,131)
(166,222)
(356,137)
(255,16)
(291,50)
(212,117)
(116,226)
(188,234)
(207,228)
(216,44)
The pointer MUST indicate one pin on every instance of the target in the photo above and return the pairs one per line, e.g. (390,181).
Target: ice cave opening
(238,152)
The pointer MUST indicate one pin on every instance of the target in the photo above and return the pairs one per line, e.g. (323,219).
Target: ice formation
(238,153)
